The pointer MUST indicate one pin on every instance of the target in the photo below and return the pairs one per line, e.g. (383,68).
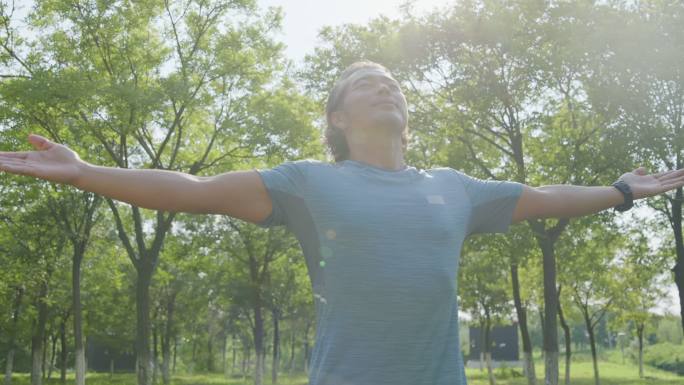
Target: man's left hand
(645,185)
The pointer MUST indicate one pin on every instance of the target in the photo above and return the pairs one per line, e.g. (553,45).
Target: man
(381,239)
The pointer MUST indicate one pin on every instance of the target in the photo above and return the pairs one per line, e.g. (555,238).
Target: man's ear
(338,119)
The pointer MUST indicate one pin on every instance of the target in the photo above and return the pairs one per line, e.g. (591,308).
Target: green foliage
(666,356)
(669,330)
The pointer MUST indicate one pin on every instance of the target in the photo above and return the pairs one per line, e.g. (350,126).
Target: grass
(179,379)
(611,369)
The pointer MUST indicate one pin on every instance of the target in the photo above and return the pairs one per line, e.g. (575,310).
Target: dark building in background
(103,358)
(505,348)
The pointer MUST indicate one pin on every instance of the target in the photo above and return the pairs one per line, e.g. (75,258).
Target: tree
(639,88)
(592,262)
(641,288)
(76,214)
(483,291)
(166,86)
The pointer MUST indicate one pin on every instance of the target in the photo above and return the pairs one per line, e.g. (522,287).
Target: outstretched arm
(565,201)
(239,194)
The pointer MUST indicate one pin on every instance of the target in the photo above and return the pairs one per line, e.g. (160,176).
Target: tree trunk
(165,358)
(292,352)
(38,333)
(143,356)
(9,365)
(258,340)
(248,360)
(210,351)
(566,335)
(263,363)
(194,352)
(44,360)
(550,311)
(166,338)
(276,349)
(53,353)
(155,356)
(483,344)
(244,358)
(640,334)
(233,347)
(521,312)
(175,349)
(592,343)
(145,261)
(63,351)
(306,347)
(487,348)
(676,222)
(224,352)
(16,311)
(79,351)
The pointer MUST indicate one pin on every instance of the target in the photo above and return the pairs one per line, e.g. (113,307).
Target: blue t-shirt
(382,250)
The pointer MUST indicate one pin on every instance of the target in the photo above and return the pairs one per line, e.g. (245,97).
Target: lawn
(612,371)
(582,373)
(611,368)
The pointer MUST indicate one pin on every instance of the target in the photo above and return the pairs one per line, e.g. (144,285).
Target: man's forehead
(370,72)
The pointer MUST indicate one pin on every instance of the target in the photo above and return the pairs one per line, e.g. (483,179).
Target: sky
(304,18)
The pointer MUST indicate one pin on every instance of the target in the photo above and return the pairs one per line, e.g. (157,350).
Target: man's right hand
(239,194)
(52,161)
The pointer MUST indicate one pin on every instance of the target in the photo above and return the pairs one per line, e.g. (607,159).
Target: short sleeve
(284,184)
(493,203)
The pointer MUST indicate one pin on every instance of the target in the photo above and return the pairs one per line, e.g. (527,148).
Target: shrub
(665,356)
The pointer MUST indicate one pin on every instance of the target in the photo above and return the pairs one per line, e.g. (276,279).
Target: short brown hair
(334,136)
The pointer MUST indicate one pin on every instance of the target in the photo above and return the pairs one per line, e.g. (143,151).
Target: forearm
(565,201)
(152,189)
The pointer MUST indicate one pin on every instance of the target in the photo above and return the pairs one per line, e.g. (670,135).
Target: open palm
(645,185)
(52,161)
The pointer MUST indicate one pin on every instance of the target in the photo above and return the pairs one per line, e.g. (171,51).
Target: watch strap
(626,191)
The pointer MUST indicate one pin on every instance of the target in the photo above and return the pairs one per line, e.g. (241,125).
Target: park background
(540,92)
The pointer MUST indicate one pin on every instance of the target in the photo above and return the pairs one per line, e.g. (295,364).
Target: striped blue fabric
(382,250)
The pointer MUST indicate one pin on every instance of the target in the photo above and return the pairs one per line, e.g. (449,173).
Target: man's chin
(386,130)
(389,122)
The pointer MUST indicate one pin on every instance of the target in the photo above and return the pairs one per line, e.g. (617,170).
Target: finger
(669,187)
(17,154)
(674,183)
(678,172)
(640,171)
(660,175)
(668,175)
(17,167)
(40,142)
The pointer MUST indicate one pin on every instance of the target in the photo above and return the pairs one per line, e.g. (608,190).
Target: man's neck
(385,153)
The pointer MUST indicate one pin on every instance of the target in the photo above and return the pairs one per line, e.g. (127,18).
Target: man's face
(372,100)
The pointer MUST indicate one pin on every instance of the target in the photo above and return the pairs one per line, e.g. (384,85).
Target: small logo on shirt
(435,199)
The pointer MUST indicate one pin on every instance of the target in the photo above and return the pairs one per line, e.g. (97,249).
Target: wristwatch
(627,192)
